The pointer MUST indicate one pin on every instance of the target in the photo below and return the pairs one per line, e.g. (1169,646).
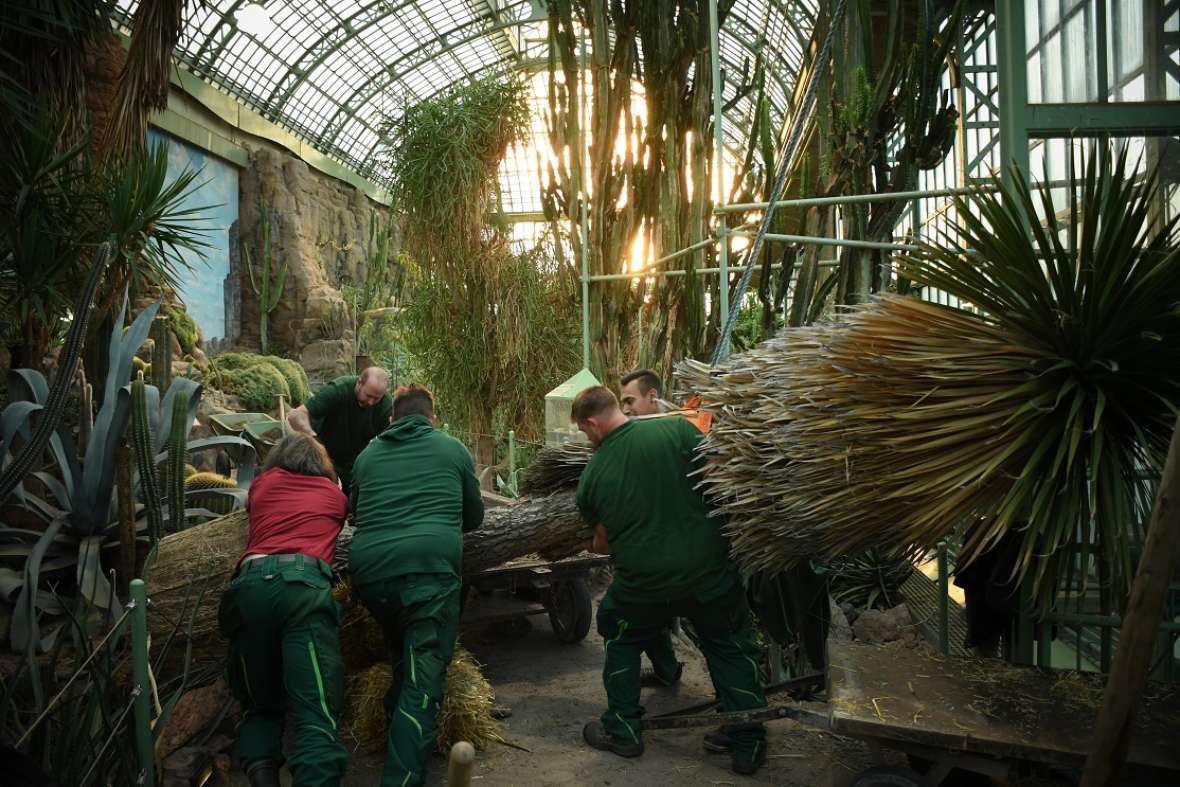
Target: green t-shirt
(343,426)
(663,544)
(416,494)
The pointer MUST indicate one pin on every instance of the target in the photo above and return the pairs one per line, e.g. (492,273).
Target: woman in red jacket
(282,623)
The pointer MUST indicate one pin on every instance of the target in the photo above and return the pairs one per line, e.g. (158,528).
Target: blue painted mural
(202,286)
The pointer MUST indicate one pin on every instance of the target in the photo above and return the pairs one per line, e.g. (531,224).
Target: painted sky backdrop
(202,285)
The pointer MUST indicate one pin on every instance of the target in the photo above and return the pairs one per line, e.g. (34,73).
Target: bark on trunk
(193,567)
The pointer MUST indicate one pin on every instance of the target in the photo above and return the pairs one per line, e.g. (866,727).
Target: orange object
(701,419)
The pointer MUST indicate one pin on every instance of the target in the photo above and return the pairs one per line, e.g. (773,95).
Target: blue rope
(785,164)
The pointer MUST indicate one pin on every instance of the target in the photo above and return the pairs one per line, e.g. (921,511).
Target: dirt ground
(553,689)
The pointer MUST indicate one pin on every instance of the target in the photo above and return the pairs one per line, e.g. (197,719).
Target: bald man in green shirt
(670,560)
(345,415)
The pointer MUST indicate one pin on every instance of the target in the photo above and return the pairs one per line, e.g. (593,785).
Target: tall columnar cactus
(177,442)
(141,439)
(268,283)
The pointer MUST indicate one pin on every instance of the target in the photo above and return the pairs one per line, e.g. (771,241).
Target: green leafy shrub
(295,375)
(185,328)
(258,386)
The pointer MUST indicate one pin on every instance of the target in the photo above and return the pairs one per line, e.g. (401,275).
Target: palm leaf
(1035,409)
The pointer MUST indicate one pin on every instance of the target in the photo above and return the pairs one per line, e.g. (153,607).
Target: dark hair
(413,400)
(303,454)
(647,381)
(592,401)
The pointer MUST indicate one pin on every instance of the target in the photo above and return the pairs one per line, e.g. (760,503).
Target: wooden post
(1128,676)
(461,764)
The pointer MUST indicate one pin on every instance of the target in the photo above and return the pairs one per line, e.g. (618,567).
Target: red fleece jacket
(294,513)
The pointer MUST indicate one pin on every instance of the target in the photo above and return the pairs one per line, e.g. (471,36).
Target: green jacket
(343,426)
(663,543)
(415,495)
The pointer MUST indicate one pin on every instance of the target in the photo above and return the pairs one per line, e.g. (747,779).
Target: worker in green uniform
(670,559)
(345,415)
(414,495)
(639,393)
(282,623)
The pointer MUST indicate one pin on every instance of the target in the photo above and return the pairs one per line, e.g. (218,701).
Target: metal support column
(512,461)
(144,747)
(944,606)
(719,157)
(1013,78)
(583,195)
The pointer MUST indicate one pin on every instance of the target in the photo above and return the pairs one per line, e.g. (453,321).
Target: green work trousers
(724,629)
(662,655)
(283,627)
(420,616)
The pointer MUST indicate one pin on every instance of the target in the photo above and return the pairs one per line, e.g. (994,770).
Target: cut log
(193,567)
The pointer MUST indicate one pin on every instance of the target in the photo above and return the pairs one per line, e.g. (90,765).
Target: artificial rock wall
(320,225)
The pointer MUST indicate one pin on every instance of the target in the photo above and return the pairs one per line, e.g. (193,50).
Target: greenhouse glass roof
(330,70)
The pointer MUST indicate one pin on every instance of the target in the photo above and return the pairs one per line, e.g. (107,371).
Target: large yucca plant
(1038,409)
(1085,283)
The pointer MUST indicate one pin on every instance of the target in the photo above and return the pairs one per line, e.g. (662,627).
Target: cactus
(145,461)
(16,470)
(177,442)
(268,284)
(209,481)
(189,471)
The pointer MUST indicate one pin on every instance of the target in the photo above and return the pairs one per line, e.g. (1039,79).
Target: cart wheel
(569,610)
(889,777)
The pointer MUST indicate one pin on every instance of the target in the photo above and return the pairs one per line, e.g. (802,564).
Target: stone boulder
(838,629)
(326,360)
(193,714)
(876,627)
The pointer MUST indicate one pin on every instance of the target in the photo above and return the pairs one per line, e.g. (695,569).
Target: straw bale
(466,713)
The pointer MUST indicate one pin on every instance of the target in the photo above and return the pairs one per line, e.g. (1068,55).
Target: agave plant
(1037,409)
(79,505)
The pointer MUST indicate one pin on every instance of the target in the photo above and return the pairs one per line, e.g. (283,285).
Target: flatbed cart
(511,593)
(951,714)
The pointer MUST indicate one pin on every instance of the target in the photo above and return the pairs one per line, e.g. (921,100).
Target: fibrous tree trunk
(194,566)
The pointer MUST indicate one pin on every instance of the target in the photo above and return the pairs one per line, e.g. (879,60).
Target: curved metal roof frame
(330,70)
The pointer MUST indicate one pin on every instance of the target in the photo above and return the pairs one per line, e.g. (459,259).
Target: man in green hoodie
(414,494)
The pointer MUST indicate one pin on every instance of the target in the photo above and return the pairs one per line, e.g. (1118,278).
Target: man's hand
(598,544)
(300,421)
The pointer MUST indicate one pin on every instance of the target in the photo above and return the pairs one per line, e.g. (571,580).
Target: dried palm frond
(1043,410)
(554,469)
(143,82)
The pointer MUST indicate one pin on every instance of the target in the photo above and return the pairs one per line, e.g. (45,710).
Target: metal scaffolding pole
(719,158)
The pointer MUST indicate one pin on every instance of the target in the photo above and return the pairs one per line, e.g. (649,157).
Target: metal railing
(1095,635)
(138,706)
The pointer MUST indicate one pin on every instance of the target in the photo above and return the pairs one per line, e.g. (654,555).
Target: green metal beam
(1013,80)
(1147,118)
(241,120)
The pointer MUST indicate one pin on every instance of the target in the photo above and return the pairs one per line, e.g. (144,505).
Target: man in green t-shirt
(670,560)
(345,415)
(414,495)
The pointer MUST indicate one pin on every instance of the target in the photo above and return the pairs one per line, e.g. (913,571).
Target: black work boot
(597,736)
(717,741)
(649,679)
(747,763)
(263,773)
